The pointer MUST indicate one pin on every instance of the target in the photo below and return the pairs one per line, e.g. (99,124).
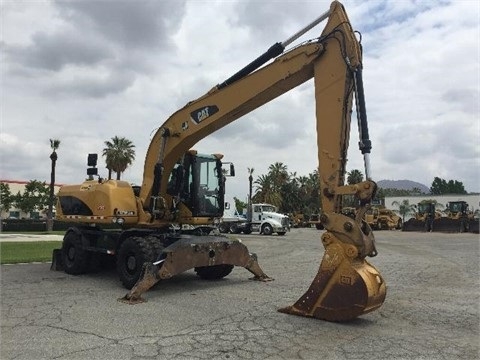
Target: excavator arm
(346,285)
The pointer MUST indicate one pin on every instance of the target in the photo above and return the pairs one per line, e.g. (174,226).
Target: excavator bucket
(212,256)
(345,287)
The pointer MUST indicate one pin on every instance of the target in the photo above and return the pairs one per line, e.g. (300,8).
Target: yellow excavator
(165,224)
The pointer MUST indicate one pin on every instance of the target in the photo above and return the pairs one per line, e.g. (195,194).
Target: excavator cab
(204,181)
(197,184)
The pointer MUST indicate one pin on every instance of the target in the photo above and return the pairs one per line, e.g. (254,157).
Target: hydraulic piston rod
(275,50)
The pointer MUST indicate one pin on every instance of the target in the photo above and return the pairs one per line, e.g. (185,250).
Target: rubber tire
(156,246)
(223,228)
(215,272)
(136,251)
(75,259)
(267,229)
(247,230)
(234,229)
(281,233)
(399,225)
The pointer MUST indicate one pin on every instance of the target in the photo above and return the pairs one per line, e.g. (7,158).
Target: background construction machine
(149,246)
(379,218)
(383,219)
(423,218)
(458,218)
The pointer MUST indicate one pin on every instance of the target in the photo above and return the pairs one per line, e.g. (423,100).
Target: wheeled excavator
(153,245)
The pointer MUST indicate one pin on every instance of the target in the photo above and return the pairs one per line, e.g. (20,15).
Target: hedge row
(25,225)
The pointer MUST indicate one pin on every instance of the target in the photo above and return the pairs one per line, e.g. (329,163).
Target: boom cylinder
(275,50)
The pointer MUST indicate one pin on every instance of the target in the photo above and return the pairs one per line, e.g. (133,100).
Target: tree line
(291,193)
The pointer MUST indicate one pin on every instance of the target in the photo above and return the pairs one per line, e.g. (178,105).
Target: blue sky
(85,71)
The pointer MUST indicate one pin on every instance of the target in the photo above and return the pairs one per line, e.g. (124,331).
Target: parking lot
(431,310)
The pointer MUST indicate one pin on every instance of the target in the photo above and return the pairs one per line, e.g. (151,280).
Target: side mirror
(231,171)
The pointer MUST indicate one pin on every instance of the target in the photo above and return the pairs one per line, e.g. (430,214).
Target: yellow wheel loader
(459,218)
(152,243)
(423,219)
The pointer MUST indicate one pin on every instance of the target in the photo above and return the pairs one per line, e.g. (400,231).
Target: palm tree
(354,177)
(265,191)
(313,192)
(291,195)
(404,208)
(54,145)
(119,154)
(279,175)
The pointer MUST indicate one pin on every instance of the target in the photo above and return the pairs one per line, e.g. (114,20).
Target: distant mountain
(402,185)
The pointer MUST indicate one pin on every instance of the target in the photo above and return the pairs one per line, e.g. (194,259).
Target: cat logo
(201,114)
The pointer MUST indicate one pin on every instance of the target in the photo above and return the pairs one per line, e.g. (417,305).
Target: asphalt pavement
(431,310)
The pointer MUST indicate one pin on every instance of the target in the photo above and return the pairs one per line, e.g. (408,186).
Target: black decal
(202,113)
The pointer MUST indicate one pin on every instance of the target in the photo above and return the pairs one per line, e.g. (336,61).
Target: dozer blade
(473,226)
(448,225)
(346,285)
(415,225)
(191,252)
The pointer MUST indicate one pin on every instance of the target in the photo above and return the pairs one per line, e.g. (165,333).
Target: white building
(473,201)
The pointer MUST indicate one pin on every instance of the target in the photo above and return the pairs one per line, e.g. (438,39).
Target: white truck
(264,219)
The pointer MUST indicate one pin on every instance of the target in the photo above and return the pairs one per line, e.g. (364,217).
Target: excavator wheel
(74,258)
(133,253)
(215,272)
(156,245)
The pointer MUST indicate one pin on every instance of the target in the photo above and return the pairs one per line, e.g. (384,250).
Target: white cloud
(86,71)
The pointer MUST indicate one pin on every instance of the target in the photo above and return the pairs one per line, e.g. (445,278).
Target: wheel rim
(71,253)
(131,264)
